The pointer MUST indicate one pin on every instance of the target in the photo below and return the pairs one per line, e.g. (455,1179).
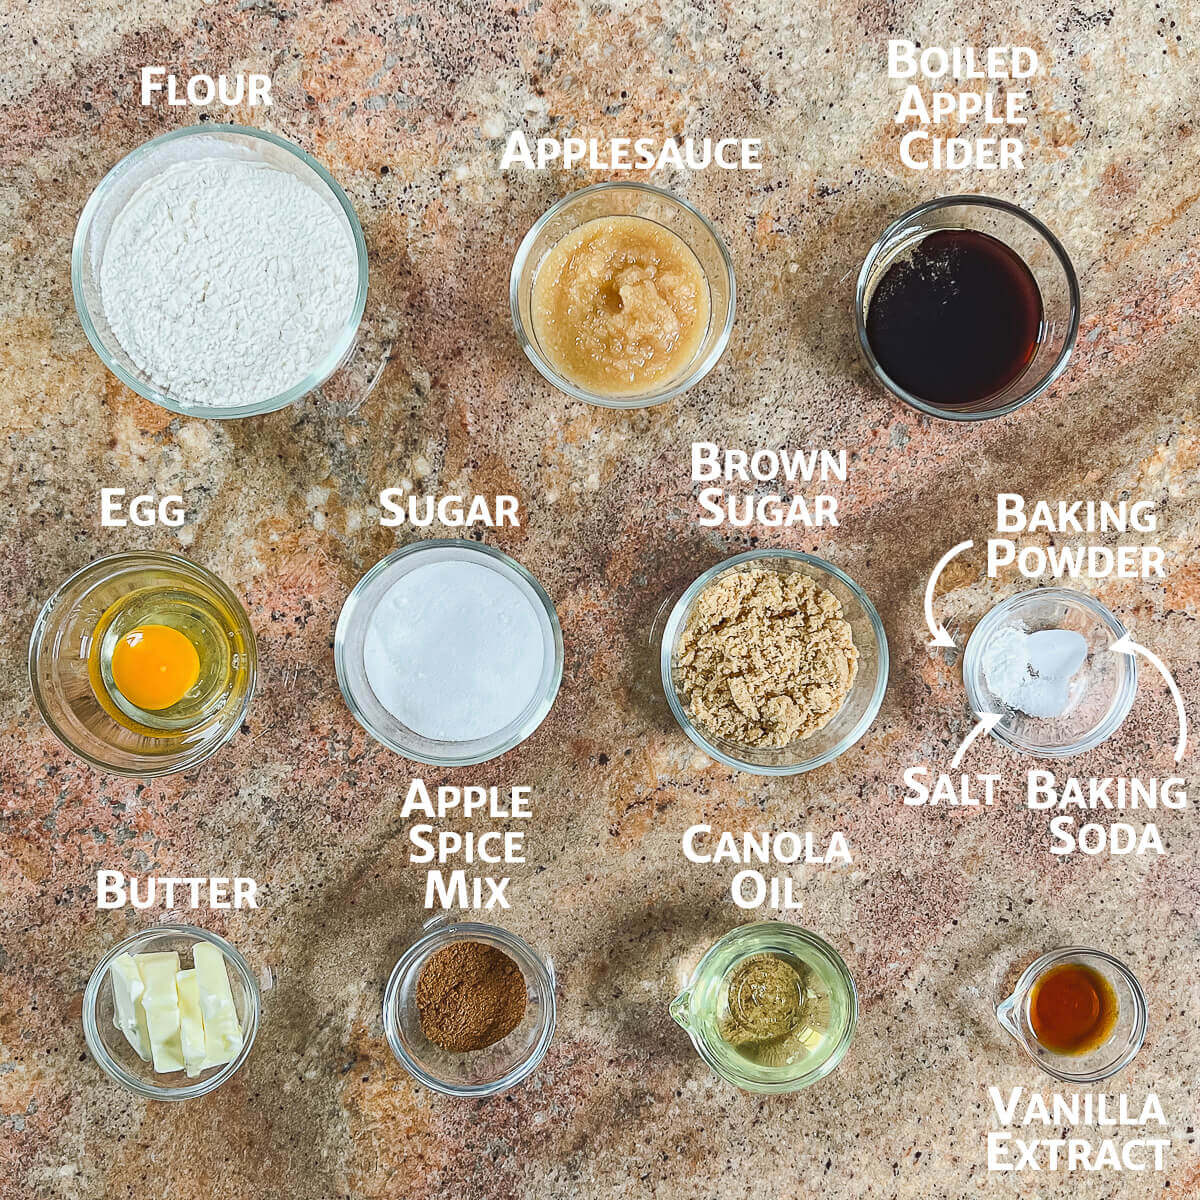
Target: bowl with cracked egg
(774,662)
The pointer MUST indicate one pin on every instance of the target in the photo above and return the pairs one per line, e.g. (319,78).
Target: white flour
(226,282)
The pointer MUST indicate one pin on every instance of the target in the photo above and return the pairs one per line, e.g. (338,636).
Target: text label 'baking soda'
(115,889)
(927,147)
(745,507)
(630,154)
(1068,518)
(1059,1115)
(1068,798)
(458,888)
(199,91)
(751,888)
(116,511)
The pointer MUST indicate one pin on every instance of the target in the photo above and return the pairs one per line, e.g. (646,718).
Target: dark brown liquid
(1072,1009)
(955,320)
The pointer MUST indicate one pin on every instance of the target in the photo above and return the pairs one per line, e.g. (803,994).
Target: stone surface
(407,106)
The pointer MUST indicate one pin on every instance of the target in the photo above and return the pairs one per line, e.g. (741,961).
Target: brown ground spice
(469,996)
(766,657)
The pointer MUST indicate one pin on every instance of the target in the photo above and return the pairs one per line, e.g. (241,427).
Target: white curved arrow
(987,721)
(1127,645)
(940,636)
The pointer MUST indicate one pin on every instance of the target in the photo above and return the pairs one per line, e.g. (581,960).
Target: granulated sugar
(227,282)
(454,650)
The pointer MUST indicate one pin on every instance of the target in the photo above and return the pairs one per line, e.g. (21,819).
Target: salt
(1032,672)
(454,651)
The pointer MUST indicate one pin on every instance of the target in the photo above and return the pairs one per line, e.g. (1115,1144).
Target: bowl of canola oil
(143,664)
(1080,1014)
(770,1007)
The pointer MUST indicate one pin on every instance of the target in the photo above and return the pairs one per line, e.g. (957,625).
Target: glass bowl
(1102,691)
(118,1059)
(349,655)
(480,1072)
(1041,252)
(1118,1051)
(696,1007)
(117,188)
(852,719)
(638,200)
(61,646)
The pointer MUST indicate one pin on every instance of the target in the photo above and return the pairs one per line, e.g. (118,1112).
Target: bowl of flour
(220,271)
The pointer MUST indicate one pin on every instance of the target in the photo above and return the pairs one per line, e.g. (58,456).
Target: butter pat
(161,1003)
(128,1014)
(191,1022)
(222,1030)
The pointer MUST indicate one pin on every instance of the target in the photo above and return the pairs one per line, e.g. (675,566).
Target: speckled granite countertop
(406,105)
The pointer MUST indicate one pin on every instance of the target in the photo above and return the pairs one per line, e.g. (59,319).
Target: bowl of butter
(170,1013)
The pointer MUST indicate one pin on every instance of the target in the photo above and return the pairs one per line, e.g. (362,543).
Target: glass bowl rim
(320,372)
(439,932)
(177,561)
(528,342)
(469,547)
(982,201)
(813,941)
(675,623)
(1118,710)
(130,1082)
(1141,1010)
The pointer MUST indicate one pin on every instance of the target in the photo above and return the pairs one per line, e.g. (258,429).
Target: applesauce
(620,305)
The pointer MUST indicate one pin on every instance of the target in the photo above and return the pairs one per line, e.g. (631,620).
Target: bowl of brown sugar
(469,1009)
(774,662)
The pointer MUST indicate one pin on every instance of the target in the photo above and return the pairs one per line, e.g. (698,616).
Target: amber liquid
(1072,1009)
(956,319)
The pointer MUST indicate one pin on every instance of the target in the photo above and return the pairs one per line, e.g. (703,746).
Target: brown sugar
(766,657)
(469,996)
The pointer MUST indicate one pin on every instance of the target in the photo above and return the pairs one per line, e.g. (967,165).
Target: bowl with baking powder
(220,271)
(1097,696)
(448,652)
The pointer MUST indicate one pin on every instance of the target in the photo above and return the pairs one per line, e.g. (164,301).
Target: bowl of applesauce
(623,295)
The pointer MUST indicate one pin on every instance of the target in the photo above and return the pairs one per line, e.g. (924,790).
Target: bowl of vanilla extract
(967,308)
(1079,1013)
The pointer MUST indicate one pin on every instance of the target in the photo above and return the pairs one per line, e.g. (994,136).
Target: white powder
(454,650)
(226,282)
(1032,672)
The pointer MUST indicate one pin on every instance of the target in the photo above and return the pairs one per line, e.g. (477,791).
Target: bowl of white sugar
(220,271)
(448,652)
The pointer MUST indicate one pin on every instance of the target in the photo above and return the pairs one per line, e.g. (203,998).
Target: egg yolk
(154,666)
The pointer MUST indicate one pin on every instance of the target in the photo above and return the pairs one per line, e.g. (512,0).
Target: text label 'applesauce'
(642,154)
